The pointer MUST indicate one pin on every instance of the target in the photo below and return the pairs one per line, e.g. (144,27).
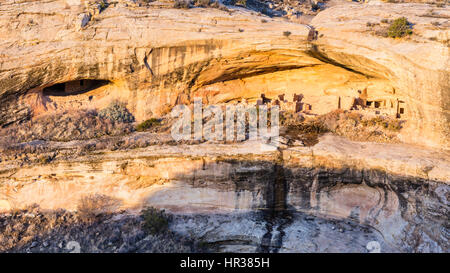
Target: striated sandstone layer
(247,196)
(243,197)
(154,58)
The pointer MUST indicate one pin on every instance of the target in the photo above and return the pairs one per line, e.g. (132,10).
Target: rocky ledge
(252,196)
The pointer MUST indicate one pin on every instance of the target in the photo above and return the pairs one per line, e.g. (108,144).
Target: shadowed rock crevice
(241,75)
(73,88)
(276,213)
(315,52)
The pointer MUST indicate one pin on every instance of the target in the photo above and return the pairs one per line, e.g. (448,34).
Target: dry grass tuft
(91,207)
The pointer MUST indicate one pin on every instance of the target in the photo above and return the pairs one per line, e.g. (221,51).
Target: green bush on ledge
(149,123)
(399,28)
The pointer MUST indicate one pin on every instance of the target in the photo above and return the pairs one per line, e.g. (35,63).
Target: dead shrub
(350,124)
(289,118)
(91,207)
(65,126)
(202,3)
(355,126)
(146,1)
(45,159)
(330,120)
(386,123)
(307,131)
(313,127)
(182,4)
(208,4)
(286,33)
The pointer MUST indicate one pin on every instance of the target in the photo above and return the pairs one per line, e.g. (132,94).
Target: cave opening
(74,87)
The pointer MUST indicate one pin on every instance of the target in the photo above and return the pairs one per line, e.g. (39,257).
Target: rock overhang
(157,55)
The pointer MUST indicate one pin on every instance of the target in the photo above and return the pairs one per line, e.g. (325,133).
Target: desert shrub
(314,126)
(45,159)
(287,33)
(307,131)
(203,246)
(182,4)
(334,119)
(394,125)
(376,121)
(155,220)
(149,123)
(330,120)
(436,23)
(383,32)
(289,118)
(91,207)
(370,24)
(386,123)
(398,28)
(357,127)
(116,112)
(202,3)
(208,4)
(242,3)
(315,6)
(102,4)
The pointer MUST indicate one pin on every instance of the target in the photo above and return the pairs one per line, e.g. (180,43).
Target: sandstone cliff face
(151,55)
(157,57)
(248,194)
(418,67)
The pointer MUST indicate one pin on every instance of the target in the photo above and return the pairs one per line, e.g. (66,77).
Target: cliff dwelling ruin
(389,106)
(314,90)
(71,95)
(156,70)
(361,154)
(73,88)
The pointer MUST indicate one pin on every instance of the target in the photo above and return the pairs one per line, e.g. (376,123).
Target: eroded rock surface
(35,231)
(337,195)
(371,193)
(157,57)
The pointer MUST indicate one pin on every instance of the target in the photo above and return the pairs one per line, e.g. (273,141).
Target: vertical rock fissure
(276,214)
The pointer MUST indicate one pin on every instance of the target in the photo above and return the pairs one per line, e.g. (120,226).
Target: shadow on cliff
(411,213)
